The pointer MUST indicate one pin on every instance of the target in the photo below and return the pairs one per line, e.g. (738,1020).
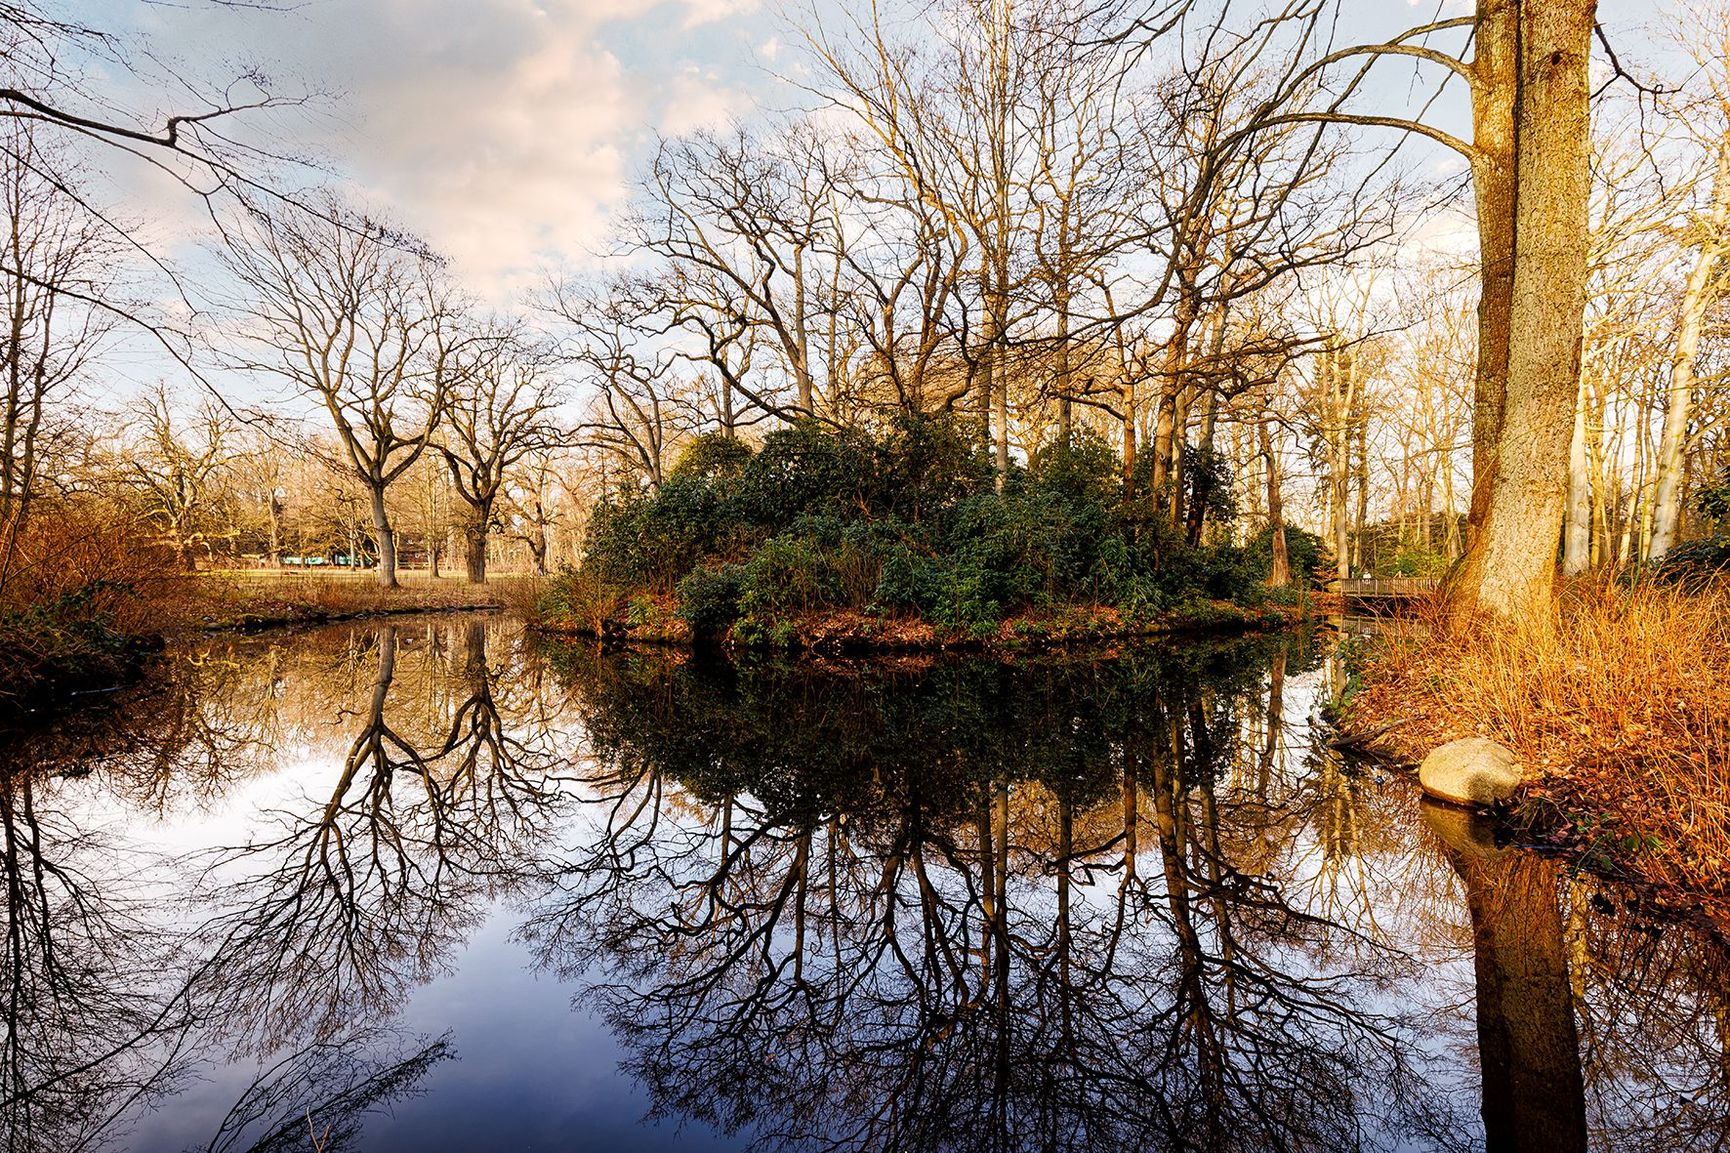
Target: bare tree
(638,408)
(175,469)
(56,260)
(357,316)
(500,410)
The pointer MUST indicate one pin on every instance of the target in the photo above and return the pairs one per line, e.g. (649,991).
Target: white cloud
(505,131)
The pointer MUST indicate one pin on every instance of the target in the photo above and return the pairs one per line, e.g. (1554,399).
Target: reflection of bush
(808,741)
(908,522)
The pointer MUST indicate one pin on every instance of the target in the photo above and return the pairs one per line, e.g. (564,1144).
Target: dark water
(430,886)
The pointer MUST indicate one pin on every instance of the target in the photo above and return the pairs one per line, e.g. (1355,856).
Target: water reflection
(982,907)
(1129,902)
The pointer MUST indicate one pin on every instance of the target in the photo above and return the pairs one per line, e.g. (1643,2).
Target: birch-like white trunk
(1703,288)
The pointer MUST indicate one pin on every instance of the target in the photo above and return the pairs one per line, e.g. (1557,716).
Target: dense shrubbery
(73,603)
(908,522)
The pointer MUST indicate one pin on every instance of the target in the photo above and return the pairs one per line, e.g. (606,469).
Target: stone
(1472,771)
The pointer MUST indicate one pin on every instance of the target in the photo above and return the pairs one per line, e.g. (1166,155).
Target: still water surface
(437,886)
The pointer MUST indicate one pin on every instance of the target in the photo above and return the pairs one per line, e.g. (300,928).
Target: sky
(509,133)
(505,131)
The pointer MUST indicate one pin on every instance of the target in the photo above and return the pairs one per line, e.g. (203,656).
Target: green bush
(1215,572)
(910,520)
(1714,501)
(1208,484)
(1085,470)
(1415,561)
(655,539)
(788,574)
(580,595)
(709,599)
(928,463)
(1696,560)
(804,470)
(713,456)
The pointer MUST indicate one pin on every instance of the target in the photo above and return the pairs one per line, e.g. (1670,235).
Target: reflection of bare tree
(1654,1015)
(871,919)
(111,991)
(91,1013)
(952,905)
(363,893)
(318,1096)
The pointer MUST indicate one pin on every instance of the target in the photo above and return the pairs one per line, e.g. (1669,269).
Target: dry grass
(73,603)
(254,598)
(1621,718)
(81,598)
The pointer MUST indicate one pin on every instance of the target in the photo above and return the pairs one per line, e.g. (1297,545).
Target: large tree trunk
(475,554)
(386,537)
(475,545)
(1495,70)
(1510,566)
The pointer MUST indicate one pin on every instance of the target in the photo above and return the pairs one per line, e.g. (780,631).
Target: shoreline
(849,632)
(1617,720)
(62,668)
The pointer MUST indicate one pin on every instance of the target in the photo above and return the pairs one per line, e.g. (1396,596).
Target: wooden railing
(1384,587)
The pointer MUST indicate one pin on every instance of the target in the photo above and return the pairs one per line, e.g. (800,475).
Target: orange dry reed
(1621,716)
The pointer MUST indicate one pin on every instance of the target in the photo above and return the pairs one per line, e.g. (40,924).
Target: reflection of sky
(535,1070)
(532,1071)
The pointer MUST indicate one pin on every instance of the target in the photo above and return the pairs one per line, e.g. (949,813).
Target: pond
(437,885)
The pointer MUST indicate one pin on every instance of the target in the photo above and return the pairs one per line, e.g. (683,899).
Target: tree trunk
(273,508)
(1509,570)
(1577,531)
(1168,430)
(1126,398)
(1279,574)
(386,537)
(1364,559)
(1496,80)
(475,550)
